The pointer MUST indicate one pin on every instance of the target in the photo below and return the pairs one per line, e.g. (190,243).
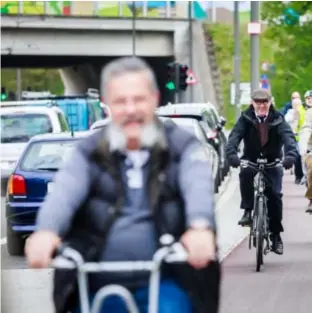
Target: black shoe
(309,209)
(246,219)
(277,244)
(298,181)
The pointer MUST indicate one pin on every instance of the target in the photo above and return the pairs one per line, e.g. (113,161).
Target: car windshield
(187,123)
(189,128)
(16,128)
(47,155)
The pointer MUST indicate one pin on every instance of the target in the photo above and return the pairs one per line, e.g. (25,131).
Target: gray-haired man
(156,178)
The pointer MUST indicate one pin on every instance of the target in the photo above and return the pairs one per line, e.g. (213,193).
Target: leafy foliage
(37,79)
(293,59)
(288,47)
(223,38)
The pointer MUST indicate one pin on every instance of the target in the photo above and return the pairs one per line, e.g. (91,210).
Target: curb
(234,246)
(223,187)
(220,207)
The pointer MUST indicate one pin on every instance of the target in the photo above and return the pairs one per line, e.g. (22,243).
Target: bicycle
(69,258)
(259,230)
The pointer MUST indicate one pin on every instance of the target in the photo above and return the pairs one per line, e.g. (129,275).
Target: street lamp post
(19,70)
(133,28)
(255,47)
(236,59)
(190,18)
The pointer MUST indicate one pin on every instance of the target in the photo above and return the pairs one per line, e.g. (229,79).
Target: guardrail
(141,9)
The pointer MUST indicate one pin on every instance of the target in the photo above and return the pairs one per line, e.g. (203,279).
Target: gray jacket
(178,189)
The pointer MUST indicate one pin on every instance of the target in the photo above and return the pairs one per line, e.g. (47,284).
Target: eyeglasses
(261,102)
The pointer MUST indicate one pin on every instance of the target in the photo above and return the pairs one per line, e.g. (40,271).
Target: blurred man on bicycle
(305,146)
(125,185)
(264,132)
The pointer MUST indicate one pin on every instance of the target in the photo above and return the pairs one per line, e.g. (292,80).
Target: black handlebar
(261,163)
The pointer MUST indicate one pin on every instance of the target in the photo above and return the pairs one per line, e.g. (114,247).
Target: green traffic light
(170,85)
(3,97)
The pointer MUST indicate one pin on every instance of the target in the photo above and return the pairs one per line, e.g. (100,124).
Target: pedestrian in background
(288,105)
(295,117)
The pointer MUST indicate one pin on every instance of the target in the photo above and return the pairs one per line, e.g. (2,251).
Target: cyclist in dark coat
(264,132)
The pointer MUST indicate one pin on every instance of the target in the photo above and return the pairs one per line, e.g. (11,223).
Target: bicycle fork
(267,247)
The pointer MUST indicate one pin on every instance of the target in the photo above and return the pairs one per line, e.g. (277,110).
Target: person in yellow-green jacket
(295,117)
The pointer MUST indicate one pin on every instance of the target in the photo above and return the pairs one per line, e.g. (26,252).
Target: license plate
(50,187)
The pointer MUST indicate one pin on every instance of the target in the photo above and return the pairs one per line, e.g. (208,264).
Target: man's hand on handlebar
(234,161)
(40,247)
(200,245)
(288,162)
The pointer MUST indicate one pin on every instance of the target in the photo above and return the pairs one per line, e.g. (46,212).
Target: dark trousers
(273,192)
(298,167)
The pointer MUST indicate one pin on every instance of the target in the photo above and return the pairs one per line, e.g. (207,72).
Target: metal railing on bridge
(142,9)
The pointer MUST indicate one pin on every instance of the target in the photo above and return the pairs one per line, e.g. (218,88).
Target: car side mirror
(219,127)
(222,121)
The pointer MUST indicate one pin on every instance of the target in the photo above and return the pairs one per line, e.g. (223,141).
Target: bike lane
(284,284)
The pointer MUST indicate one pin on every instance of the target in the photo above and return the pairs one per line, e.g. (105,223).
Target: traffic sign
(265,66)
(191,79)
(244,93)
(254,28)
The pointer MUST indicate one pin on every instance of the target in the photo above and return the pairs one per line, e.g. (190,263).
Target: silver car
(194,127)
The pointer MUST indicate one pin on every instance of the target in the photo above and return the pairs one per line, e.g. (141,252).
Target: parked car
(193,126)
(81,111)
(30,181)
(212,124)
(18,126)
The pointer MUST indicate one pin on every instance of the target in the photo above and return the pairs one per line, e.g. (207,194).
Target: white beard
(150,135)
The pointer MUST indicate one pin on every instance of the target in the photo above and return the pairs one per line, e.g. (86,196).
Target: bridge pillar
(77,79)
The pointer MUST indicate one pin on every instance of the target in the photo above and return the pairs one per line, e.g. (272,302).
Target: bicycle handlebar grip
(68,255)
(166,240)
(59,251)
(178,254)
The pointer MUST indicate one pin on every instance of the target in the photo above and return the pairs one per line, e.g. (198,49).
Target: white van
(18,125)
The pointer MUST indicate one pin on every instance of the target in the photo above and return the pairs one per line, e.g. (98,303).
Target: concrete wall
(204,90)
(92,37)
(77,79)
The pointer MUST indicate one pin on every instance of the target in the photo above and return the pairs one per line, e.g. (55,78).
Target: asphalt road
(26,290)
(8,262)
(284,284)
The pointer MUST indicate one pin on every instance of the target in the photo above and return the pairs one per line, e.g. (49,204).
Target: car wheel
(15,243)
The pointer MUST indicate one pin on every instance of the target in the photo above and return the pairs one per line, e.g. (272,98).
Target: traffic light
(183,74)
(291,17)
(3,94)
(171,81)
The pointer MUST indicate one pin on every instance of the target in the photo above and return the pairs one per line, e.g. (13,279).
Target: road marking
(3,241)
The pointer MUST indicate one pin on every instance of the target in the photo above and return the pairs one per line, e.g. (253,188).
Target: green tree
(37,79)
(293,58)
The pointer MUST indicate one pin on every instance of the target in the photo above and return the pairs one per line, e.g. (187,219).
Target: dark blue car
(31,180)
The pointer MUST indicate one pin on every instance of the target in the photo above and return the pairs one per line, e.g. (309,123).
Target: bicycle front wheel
(260,234)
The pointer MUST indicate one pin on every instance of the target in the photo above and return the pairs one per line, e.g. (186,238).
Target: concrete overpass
(81,46)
